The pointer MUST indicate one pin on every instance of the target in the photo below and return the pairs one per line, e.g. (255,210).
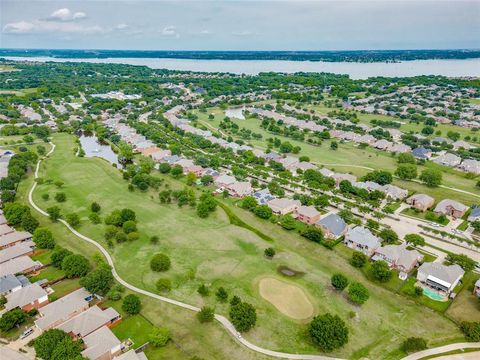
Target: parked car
(26,333)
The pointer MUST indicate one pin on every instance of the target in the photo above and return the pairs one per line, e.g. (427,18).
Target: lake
(93,148)
(451,68)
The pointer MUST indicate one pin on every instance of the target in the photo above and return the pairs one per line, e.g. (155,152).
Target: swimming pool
(433,294)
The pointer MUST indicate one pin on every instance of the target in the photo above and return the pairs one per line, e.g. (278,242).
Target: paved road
(442,349)
(221,319)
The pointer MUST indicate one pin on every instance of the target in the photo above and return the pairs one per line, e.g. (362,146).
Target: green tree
(249,203)
(406,171)
(68,349)
(43,238)
(98,281)
(388,235)
(358,259)
(160,262)
(46,343)
(313,234)
(60,197)
(358,293)
(381,271)
(206,314)
(431,177)
(415,239)
(129,226)
(73,219)
(263,212)
(95,207)
(203,290)
(131,304)
(328,332)
(159,337)
(58,255)
(269,252)
(14,213)
(339,281)
(75,266)
(54,213)
(243,316)
(221,295)
(29,223)
(406,158)
(12,318)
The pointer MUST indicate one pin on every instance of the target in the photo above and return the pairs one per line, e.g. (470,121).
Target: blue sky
(240,25)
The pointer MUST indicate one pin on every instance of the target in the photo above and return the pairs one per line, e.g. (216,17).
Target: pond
(236,113)
(93,148)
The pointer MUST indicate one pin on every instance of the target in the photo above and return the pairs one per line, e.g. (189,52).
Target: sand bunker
(289,299)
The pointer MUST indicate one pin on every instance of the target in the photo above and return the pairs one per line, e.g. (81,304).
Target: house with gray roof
(12,252)
(63,309)
(333,226)
(394,192)
(22,264)
(361,239)
(448,159)
(263,196)
(283,206)
(88,321)
(12,238)
(440,277)
(102,344)
(131,355)
(30,297)
(474,214)
(10,283)
(398,257)
(470,166)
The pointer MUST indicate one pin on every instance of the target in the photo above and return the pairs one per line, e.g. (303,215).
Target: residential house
(131,355)
(239,189)
(283,206)
(470,166)
(394,192)
(224,180)
(288,162)
(63,309)
(263,196)
(400,148)
(13,238)
(462,144)
(326,172)
(88,321)
(421,202)
(17,250)
(440,277)
(22,264)
(448,159)
(307,214)
(450,208)
(422,153)
(382,144)
(398,257)
(338,177)
(102,344)
(10,283)
(474,214)
(30,297)
(476,288)
(333,226)
(361,239)
(159,155)
(5,229)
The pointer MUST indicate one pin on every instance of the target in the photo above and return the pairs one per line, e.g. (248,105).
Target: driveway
(22,343)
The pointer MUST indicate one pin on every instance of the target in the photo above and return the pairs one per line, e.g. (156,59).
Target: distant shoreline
(360,56)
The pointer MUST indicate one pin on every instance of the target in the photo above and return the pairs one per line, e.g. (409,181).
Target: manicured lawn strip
(215,252)
(64,287)
(466,306)
(49,273)
(421,215)
(42,255)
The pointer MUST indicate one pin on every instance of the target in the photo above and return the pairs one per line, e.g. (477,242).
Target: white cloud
(121,26)
(170,31)
(41,26)
(65,14)
(243,33)
(204,32)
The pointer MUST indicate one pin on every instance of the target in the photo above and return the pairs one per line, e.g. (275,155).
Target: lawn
(49,273)
(466,306)
(422,216)
(214,252)
(64,287)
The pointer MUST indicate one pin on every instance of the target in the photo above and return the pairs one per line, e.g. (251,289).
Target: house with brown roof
(333,226)
(13,238)
(17,250)
(22,264)
(283,206)
(398,257)
(307,214)
(421,202)
(451,208)
(239,189)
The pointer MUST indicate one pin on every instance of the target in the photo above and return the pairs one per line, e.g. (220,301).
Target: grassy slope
(214,252)
(347,154)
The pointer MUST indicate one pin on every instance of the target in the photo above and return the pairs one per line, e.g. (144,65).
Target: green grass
(408,289)
(463,226)
(42,255)
(466,306)
(49,273)
(64,287)
(422,216)
(215,252)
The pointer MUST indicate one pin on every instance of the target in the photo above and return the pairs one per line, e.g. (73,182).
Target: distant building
(333,226)
(421,202)
(283,206)
(450,208)
(307,214)
(361,239)
(27,298)
(440,277)
(398,257)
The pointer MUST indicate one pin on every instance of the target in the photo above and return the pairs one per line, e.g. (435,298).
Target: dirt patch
(289,299)
(286,271)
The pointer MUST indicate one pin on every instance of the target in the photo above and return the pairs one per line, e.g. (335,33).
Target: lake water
(236,113)
(452,68)
(93,148)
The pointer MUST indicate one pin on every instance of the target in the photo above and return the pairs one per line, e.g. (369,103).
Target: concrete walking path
(442,349)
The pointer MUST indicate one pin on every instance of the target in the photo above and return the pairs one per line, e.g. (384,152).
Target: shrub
(95,207)
(94,218)
(129,226)
(45,197)
(72,219)
(163,285)
(203,290)
(328,332)
(206,314)
(160,262)
(269,252)
(159,337)
(120,236)
(154,239)
(60,197)
(131,304)
(132,236)
(413,344)
(221,295)
(471,330)
(339,281)
(54,213)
